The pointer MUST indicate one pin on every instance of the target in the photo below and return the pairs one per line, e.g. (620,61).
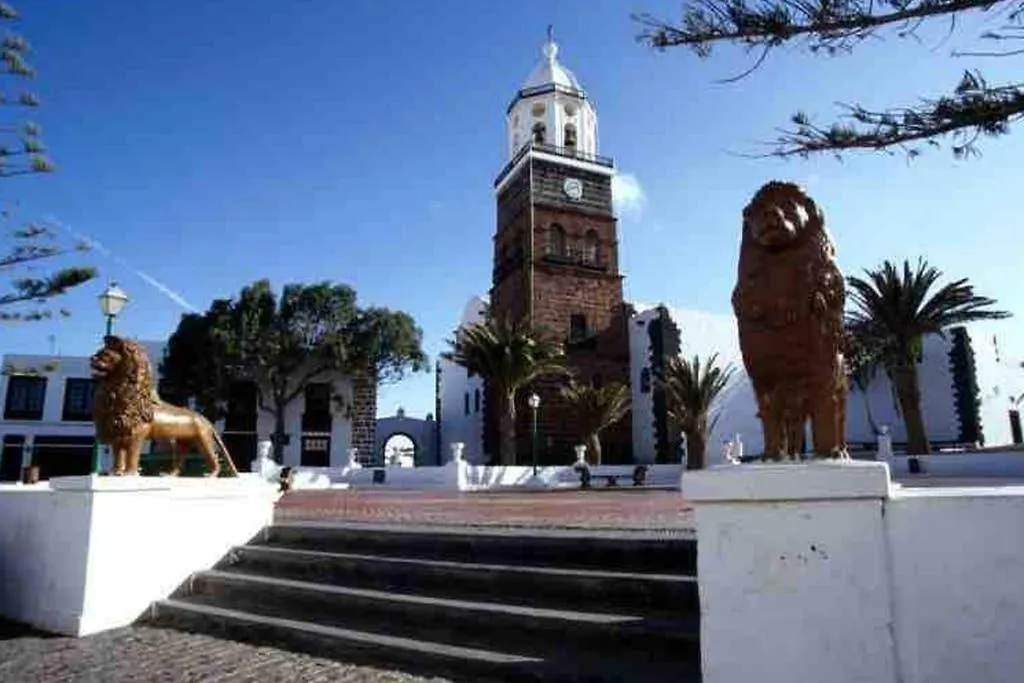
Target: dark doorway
(63,456)
(316,451)
(10,461)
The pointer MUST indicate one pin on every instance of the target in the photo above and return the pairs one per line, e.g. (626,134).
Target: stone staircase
(473,605)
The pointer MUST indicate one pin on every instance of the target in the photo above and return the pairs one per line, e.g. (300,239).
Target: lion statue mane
(788,302)
(127,411)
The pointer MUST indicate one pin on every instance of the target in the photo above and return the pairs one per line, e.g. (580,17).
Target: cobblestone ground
(628,508)
(151,654)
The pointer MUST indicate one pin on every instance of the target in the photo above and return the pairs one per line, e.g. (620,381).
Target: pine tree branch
(973,110)
(827,24)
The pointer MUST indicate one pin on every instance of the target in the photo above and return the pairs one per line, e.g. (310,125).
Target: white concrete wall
(959,601)
(79,555)
(822,572)
(966,465)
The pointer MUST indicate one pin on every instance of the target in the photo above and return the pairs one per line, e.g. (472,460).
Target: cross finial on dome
(550,47)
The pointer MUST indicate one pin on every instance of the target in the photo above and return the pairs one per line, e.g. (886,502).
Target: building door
(316,451)
(10,461)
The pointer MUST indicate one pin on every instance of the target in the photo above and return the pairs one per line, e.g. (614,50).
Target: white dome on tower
(551,109)
(549,71)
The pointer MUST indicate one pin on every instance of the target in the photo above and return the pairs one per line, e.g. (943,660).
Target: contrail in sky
(152,281)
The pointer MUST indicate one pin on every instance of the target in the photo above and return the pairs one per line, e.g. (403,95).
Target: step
(527,585)
(533,630)
(420,656)
(655,553)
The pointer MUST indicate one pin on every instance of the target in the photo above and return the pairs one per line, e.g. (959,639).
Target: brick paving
(142,653)
(625,509)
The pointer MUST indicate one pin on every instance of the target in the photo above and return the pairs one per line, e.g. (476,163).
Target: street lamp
(534,403)
(112,300)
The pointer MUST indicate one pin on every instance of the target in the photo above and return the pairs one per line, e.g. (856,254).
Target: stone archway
(399,444)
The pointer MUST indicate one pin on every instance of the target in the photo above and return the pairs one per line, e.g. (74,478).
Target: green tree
(22,152)
(194,362)
(509,356)
(973,108)
(863,360)
(597,409)
(893,308)
(281,344)
(691,390)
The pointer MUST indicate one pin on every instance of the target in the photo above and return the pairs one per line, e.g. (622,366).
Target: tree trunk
(696,449)
(594,449)
(905,379)
(507,431)
(279,434)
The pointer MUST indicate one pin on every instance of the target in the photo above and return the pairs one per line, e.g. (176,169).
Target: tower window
(465,403)
(476,401)
(591,248)
(645,381)
(539,132)
(556,240)
(577,327)
(570,136)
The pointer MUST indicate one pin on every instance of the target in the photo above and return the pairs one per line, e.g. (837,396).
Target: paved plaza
(624,508)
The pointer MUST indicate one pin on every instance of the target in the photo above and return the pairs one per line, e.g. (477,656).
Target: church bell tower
(556,252)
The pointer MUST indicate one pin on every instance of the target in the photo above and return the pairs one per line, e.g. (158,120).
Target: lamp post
(112,300)
(534,403)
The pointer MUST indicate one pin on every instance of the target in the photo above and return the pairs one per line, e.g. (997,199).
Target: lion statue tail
(224,450)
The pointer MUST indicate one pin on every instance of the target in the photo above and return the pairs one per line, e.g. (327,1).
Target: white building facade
(47,419)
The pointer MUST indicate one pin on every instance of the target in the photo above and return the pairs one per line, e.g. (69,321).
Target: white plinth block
(86,554)
(792,573)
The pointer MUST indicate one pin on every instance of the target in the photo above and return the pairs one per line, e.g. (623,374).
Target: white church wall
(1000,382)
(456,423)
(704,333)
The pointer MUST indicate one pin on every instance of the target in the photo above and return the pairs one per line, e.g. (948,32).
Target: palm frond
(691,389)
(597,407)
(896,306)
(509,354)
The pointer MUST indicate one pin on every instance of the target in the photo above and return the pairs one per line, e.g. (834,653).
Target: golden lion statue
(128,411)
(788,303)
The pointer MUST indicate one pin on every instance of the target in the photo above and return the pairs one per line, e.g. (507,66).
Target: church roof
(549,71)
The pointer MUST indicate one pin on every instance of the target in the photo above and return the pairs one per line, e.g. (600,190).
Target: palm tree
(508,356)
(895,307)
(691,389)
(863,359)
(597,409)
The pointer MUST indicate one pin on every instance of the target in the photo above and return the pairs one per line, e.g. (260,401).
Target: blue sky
(207,145)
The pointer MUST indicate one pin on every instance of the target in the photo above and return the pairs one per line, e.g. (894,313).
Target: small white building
(47,418)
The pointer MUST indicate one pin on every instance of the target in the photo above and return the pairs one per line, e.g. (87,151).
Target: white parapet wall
(462,476)
(80,555)
(827,572)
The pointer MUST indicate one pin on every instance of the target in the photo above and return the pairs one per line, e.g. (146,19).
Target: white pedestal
(87,554)
(792,573)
